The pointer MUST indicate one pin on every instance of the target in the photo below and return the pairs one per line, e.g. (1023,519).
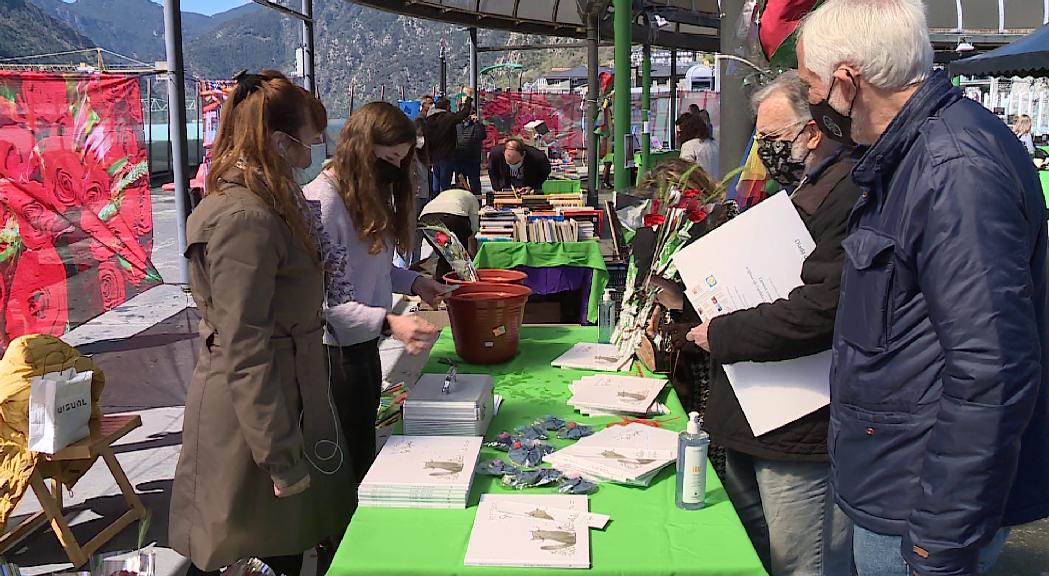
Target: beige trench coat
(258,404)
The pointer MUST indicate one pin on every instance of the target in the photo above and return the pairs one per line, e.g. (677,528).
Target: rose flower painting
(76,223)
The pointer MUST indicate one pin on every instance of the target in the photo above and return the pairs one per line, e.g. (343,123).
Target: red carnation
(111,285)
(653,220)
(442,238)
(697,215)
(37,302)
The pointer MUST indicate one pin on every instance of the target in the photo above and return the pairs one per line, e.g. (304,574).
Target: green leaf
(153,275)
(7,93)
(108,211)
(117,166)
(11,251)
(137,171)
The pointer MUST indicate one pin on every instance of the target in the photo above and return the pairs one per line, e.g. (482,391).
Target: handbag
(59,410)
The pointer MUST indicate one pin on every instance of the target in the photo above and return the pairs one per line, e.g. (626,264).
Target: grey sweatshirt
(373,276)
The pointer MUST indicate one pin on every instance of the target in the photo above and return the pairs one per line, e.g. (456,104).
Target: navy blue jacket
(940,406)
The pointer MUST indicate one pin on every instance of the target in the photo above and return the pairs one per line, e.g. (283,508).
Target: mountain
(133,28)
(355,46)
(26,30)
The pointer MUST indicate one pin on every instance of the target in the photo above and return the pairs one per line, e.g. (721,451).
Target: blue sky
(208,7)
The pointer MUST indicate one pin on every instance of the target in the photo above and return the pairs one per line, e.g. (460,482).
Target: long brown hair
(262,104)
(382,216)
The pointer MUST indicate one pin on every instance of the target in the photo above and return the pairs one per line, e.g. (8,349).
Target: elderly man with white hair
(939,420)
(779,482)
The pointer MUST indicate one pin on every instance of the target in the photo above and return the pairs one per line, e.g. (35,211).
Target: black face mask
(778,158)
(387,172)
(834,124)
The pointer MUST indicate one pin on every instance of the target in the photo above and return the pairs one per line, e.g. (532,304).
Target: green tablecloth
(647,535)
(585,254)
(1044,175)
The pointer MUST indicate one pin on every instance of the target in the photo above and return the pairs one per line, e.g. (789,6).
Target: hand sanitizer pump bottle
(606,318)
(692,465)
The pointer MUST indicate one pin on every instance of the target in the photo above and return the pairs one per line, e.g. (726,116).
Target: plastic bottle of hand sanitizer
(606,318)
(692,465)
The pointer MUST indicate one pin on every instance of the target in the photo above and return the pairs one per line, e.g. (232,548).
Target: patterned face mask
(778,158)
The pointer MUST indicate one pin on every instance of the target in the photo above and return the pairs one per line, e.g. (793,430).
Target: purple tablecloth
(561,279)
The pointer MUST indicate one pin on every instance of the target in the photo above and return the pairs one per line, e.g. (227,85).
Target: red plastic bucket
(486,320)
(489,275)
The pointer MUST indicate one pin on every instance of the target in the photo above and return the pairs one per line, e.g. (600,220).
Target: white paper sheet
(774,394)
(753,259)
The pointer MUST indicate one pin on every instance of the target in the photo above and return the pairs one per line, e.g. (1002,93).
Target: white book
(418,463)
(615,392)
(591,356)
(545,531)
(632,441)
(609,464)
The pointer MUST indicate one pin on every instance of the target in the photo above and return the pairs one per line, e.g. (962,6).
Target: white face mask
(420,142)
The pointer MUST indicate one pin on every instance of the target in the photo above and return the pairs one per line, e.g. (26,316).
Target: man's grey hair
(790,85)
(886,40)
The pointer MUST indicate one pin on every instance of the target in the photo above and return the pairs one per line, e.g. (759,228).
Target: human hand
(698,335)
(469,91)
(415,333)
(296,488)
(670,294)
(429,290)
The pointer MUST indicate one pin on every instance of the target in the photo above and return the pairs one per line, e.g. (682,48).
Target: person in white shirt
(367,208)
(697,144)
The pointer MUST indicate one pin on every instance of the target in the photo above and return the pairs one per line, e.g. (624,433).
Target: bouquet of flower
(452,250)
(672,211)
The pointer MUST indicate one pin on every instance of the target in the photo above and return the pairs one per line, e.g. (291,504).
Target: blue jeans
(789,512)
(880,555)
(471,171)
(442,176)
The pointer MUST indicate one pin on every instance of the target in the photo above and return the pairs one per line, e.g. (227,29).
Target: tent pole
(672,135)
(309,79)
(593,163)
(475,71)
(177,124)
(737,123)
(646,105)
(623,26)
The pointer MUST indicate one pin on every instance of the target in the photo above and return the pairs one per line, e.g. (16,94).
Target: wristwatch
(386,331)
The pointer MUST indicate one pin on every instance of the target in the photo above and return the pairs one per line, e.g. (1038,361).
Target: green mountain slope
(26,30)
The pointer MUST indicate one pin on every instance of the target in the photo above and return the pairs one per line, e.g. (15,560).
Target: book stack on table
(632,454)
(421,472)
(614,394)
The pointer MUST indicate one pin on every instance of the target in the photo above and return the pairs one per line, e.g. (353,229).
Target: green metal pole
(621,109)
(646,106)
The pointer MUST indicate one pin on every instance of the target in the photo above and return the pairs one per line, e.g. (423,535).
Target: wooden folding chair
(104,433)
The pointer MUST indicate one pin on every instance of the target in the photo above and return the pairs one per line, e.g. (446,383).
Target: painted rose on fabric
(74,198)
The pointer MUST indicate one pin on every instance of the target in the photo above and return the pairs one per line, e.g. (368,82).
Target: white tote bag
(59,410)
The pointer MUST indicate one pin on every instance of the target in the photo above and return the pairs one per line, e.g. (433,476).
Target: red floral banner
(77,224)
(506,113)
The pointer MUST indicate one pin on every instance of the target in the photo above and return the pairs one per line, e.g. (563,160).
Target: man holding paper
(779,481)
(939,391)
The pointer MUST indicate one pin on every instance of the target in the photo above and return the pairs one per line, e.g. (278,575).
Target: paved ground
(147,348)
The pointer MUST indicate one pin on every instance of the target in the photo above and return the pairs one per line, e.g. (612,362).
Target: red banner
(506,113)
(74,200)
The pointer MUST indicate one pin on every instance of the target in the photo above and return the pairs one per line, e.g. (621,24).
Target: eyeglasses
(782,132)
(299,142)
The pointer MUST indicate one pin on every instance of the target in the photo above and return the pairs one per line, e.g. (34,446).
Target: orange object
(486,320)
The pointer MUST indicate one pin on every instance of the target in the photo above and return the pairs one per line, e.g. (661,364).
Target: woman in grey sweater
(366,198)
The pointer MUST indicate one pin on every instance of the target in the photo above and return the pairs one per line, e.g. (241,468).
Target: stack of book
(421,472)
(631,454)
(546,228)
(543,531)
(592,356)
(497,224)
(614,394)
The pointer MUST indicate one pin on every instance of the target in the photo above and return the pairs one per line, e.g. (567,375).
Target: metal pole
(149,123)
(475,71)
(672,136)
(593,93)
(444,72)
(200,139)
(177,124)
(737,123)
(622,25)
(309,71)
(646,105)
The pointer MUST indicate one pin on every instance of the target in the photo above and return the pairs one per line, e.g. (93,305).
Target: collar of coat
(818,186)
(934,94)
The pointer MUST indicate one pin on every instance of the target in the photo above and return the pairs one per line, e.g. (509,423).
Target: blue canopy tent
(1028,56)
